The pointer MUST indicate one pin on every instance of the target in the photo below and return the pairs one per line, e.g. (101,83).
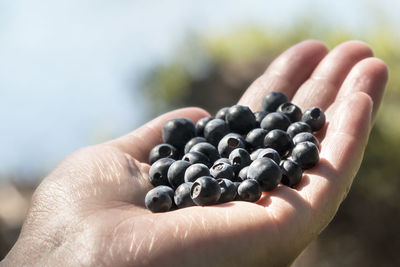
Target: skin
(90,209)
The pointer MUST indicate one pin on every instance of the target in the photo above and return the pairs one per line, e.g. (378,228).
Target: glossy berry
(178,132)
(259,115)
(240,119)
(196,157)
(192,142)
(249,190)
(239,159)
(314,117)
(243,173)
(275,120)
(291,111)
(221,113)
(298,127)
(303,137)
(228,190)
(278,140)
(254,154)
(196,171)
(158,173)
(176,172)
(207,149)
(266,172)
(205,191)
(291,173)
(222,170)
(201,124)
(305,154)
(273,100)
(269,153)
(255,138)
(162,151)
(215,130)
(182,197)
(159,199)
(222,160)
(230,142)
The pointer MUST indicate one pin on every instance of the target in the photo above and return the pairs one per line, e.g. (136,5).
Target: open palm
(90,209)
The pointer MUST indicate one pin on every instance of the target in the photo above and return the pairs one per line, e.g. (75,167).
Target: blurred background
(75,73)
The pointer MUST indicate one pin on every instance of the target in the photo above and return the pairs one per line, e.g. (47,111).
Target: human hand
(90,209)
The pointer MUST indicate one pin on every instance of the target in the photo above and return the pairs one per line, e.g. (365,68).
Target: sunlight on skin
(94,200)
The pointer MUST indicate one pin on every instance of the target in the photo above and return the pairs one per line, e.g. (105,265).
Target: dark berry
(249,190)
(201,124)
(240,119)
(243,173)
(178,132)
(222,160)
(278,140)
(176,172)
(260,116)
(158,173)
(230,142)
(205,191)
(291,173)
(196,157)
(298,127)
(196,171)
(269,153)
(305,154)
(266,172)
(228,190)
(221,113)
(215,130)
(194,141)
(314,117)
(182,196)
(303,137)
(162,151)
(159,199)
(254,154)
(255,138)
(291,111)
(239,159)
(273,100)
(207,149)
(275,120)
(222,170)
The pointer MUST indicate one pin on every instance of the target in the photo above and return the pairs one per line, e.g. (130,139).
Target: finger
(341,153)
(368,76)
(286,73)
(321,88)
(139,142)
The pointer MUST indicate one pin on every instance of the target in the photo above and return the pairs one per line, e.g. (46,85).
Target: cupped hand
(90,209)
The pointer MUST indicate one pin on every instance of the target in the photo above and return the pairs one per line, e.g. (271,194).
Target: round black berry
(205,191)
(182,196)
(303,137)
(298,127)
(305,154)
(272,100)
(192,142)
(278,140)
(260,115)
(158,173)
(275,120)
(249,190)
(159,199)
(207,149)
(239,159)
(266,172)
(255,138)
(240,119)
(291,173)
(222,170)
(222,160)
(201,124)
(243,173)
(254,154)
(314,117)
(176,172)
(291,111)
(221,113)
(196,171)
(196,157)
(178,132)
(230,142)
(228,190)
(162,151)
(215,130)
(269,153)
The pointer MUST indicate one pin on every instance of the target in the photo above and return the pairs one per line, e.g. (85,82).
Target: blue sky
(69,68)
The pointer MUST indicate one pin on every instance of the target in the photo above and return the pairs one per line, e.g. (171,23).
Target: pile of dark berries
(235,156)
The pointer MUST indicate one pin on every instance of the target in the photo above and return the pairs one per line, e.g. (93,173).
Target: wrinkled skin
(90,209)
